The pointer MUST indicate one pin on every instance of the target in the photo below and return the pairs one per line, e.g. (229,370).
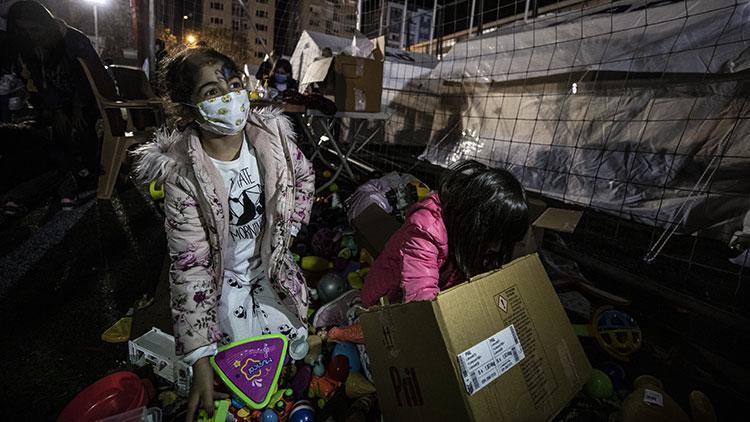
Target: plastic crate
(156,348)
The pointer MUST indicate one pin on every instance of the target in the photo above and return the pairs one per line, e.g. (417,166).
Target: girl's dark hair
(178,78)
(285,65)
(485,214)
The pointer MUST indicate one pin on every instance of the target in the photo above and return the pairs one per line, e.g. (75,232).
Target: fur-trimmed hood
(157,159)
(167,154)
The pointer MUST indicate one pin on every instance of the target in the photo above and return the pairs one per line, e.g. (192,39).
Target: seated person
(281,79)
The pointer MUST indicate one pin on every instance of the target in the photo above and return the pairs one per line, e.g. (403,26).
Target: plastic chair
(132,82)
(120,132)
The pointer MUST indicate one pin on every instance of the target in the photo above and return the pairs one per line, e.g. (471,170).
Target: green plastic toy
(221,410)
(251,368)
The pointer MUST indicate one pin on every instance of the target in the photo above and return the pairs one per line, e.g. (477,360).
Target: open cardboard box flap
(427,357)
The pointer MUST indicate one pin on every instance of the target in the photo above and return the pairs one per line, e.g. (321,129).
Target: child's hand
(202,391)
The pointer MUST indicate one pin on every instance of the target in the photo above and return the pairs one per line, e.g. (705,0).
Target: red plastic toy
(114,394)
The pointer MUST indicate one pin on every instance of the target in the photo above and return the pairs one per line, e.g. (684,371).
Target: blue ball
(269,416)
(303,413)
(350,351)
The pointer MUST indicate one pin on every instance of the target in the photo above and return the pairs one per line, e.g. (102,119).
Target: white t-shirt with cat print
(244,185)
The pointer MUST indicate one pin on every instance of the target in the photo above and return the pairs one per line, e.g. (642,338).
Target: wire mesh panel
(635,110)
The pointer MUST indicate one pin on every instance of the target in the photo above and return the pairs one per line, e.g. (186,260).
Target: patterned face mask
(226,114)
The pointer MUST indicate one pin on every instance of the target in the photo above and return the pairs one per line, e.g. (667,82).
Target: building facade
(246,34)
(337,18)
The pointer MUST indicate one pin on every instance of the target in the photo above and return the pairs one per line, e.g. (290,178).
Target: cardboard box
(427,357)
(374,227)
(355,83)
(558,219)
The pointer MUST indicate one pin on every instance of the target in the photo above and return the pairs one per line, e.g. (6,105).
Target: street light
(182,24)
(96,19)
(190,39)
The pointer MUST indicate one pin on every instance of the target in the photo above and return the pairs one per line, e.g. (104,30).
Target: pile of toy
(331,382)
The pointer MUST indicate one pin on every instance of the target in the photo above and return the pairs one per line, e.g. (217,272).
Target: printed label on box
(653,397)
(487,360)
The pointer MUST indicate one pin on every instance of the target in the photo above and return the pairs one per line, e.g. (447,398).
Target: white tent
(400,66)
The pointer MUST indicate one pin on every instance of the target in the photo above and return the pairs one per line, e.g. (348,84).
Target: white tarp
(694,36)
(639,144)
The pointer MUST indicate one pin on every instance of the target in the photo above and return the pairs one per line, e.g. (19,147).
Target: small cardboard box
(374,227)
(497,348)
(356,83)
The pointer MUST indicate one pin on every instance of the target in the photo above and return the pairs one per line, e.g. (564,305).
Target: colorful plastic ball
(333,187)
(599,386)
(617,333)
(156,191)
(352,354)
(331,286)
(302,412)
(327,174)
(269,416)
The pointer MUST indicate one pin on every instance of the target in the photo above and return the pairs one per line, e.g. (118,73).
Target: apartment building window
(261,27)
(314,22)
(236,25)
(260,54)
(217,21)
(261,13)
(216,5)
(262,1)
(237,10)
(259,41)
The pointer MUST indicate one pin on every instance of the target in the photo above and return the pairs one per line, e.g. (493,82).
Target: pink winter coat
(413,264)
(197,228)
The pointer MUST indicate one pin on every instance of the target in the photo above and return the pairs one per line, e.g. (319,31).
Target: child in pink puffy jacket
(468,227)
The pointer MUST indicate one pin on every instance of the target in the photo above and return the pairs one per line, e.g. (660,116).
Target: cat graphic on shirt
(246,201)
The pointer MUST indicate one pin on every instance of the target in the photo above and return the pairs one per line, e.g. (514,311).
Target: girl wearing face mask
(237,190)
(281,78)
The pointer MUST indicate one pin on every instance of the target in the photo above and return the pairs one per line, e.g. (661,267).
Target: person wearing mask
(281,79)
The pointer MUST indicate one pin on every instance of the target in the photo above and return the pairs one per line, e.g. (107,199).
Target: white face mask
(226,114)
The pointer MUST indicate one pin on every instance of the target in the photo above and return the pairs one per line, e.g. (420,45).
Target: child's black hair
(178,78)
(485,213)
(284,64)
